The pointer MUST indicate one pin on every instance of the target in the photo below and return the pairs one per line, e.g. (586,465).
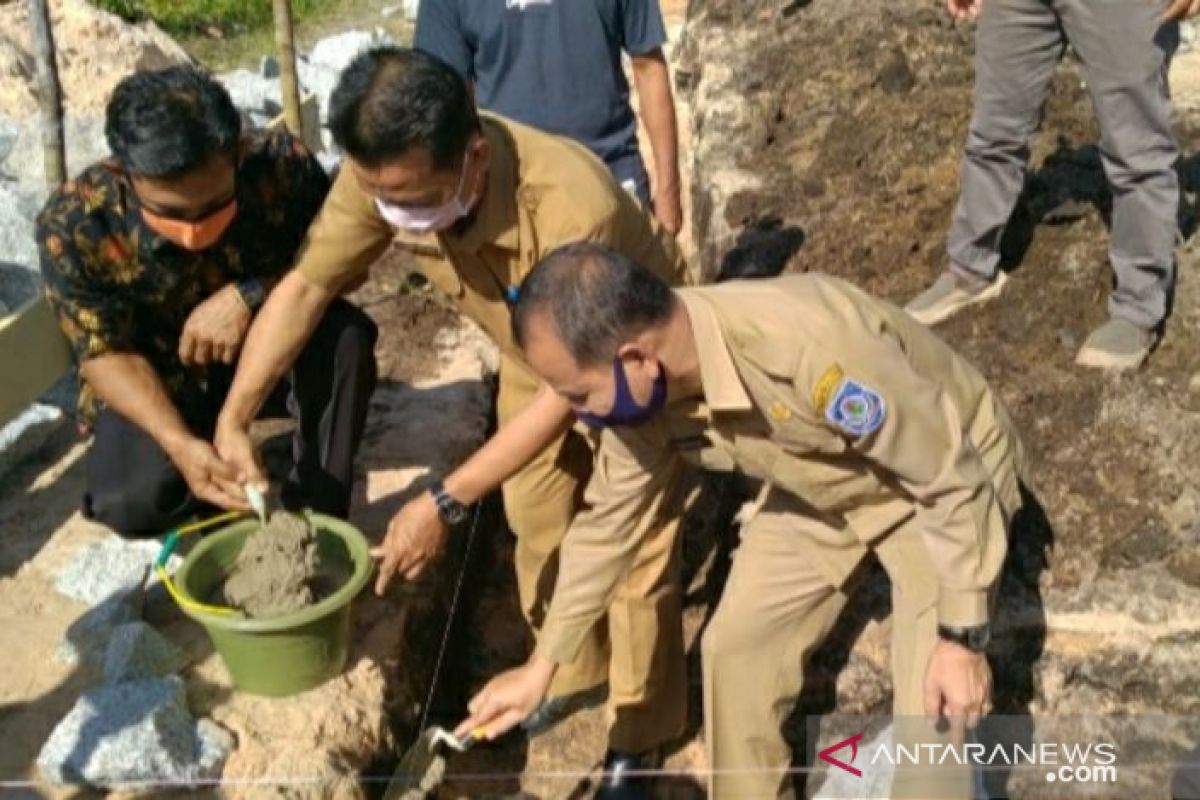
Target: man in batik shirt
(155,262)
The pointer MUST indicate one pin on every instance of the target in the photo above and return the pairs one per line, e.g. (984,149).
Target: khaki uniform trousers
(638,647)
(776,610)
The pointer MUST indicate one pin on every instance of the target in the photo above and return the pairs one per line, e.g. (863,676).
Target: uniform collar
(723,387)
(495,219)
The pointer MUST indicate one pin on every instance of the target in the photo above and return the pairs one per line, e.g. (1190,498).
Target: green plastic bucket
(289,654)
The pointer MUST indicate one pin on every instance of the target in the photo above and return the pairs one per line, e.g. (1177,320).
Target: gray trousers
(1125,52)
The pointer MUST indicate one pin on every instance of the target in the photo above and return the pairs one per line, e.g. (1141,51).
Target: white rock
(320,81)
(269,67)
(109,567)
(17,243)
(135,732)
(336,52)
(26,434)
(85,144)
(137,651)
(87,637)
(252,93)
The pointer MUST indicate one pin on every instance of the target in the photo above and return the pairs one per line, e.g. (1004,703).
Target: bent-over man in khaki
(870,435)
(477,201)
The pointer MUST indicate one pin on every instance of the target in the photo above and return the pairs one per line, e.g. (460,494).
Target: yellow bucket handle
(169,543)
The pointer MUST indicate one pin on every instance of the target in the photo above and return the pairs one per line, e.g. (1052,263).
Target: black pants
(135,489)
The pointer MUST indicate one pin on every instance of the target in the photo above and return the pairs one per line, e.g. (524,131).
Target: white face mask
(428,220)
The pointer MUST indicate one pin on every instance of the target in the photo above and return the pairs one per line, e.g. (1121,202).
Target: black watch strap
(975,637)
(253,292)
(451,511)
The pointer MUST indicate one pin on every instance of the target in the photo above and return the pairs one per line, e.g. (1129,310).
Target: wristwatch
(975,638)
(451,511)
(253,293)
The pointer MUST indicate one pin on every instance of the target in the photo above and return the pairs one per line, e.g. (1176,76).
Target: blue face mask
(625,411)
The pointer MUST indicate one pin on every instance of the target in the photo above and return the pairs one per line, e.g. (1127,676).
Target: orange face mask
(198,235)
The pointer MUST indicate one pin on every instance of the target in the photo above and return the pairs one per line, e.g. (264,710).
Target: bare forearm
(129,385)
(514,446)
(282,328)
(652,77)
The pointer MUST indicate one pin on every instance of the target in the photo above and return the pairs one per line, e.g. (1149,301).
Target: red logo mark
(825,755)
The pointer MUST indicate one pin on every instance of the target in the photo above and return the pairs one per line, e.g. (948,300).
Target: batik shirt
(117,286)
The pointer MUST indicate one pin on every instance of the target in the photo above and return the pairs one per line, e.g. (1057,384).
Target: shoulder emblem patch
(827,384)
(856,408)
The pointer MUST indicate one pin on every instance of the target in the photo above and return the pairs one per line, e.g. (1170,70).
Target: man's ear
(481,151)
(637,350)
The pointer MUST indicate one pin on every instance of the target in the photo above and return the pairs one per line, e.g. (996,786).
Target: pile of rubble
(95,50)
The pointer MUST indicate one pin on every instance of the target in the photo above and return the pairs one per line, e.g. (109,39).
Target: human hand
(668,207)
(1181,9)
(235,447)
(215,329)
(210,478)
(964,10)
(958,685)
(508,699)
(415,537)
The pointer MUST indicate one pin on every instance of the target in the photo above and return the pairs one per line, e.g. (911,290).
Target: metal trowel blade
(414,767)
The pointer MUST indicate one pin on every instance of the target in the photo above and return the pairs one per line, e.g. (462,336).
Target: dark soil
(855,122)
(410,315)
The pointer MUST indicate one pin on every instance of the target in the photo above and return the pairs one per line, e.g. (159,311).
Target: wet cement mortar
(278,569)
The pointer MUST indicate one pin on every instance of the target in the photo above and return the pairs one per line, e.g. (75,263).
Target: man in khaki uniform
(477,202)
(869,433)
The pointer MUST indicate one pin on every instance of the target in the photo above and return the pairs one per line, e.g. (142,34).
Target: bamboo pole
(286,45)
(49,94)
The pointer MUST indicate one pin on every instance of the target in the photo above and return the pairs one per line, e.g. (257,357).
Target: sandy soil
(857,146)
(95,51)
(430,411)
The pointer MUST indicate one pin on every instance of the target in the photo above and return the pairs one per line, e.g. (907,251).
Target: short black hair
(165,123)
(596,297)
(391,99)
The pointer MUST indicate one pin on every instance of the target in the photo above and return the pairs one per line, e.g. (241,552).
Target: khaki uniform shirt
(542,192)
(835,397)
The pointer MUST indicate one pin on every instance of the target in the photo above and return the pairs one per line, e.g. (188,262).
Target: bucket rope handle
(170,543)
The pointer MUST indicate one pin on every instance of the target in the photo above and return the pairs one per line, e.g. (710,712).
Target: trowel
(257,501)
(423,765)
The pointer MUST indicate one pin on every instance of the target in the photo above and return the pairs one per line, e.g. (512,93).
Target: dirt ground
(855,148)
(429,412)
(860,146)
(845,124)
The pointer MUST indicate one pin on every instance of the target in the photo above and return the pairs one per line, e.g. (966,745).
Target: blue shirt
(552,64)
